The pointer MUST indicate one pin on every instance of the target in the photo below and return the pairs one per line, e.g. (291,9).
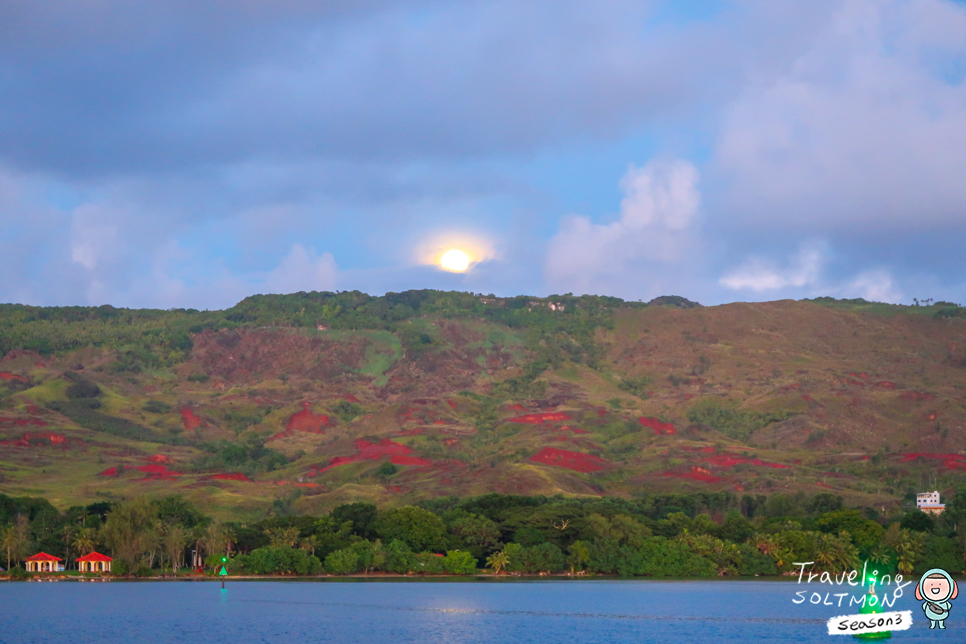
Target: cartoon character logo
(936,589)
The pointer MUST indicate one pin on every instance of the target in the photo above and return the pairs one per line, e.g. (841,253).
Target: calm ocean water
(402,612)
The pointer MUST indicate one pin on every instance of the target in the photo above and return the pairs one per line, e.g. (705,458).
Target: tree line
(660,535)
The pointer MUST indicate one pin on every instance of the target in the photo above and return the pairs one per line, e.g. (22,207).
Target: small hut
(94,562)
(42,562)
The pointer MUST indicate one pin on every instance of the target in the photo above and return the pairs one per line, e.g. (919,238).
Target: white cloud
(657,218)
(864,130)
(876,286)
(93,239)
(303,270)
(759,275)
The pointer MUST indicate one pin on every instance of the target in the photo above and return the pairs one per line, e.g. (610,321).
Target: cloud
(657,216)
(875,286)
(862,132)
(760,275)
(303,270)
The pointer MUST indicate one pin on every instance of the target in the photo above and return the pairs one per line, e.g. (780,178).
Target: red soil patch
(822,484)
(398,455)
(931,416)
(154,472)
(917,395)
(6,375)
(306,485)
(442,422)
(790,387)
(855,383)
(451,403)
(451,441)
(191,420)
(739,488)
(304,421)
(234,476)
(658,427)
(30,438)
(705,450)
(601,412)
(23,422)
(728,461)
(885,384)
(517,408)
(862,375)
(696,473)
(577,461)
(409,432)
(950,461)
(537,419)
(346,397)
(160,458)
(568,428)
(808,398)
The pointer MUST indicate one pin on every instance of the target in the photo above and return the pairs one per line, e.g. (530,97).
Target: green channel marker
(223,571)
(871,609)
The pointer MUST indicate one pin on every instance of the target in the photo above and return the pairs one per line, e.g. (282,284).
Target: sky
(190,153)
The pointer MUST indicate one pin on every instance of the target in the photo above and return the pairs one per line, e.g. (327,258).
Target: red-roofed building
(42,562)
(94,562)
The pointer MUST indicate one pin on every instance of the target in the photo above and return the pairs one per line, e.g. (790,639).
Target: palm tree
(909,549)
(67,532)
(84,541)
(282,537)
(309,543)
(228,533)
(497,561)
(16,539)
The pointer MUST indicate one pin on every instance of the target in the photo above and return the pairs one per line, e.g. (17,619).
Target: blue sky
(190,153)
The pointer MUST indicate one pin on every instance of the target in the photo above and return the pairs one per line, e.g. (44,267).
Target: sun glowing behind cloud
(456,253)
(455,260)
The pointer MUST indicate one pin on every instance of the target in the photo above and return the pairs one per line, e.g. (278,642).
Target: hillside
(301,402)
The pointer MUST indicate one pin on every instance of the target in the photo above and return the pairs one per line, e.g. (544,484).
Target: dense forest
(661,535)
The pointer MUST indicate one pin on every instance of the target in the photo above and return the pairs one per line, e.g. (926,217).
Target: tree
(129,530)
(67,533)
(174,540)
(386,470)
(579,555)
(460,562)
(420,529)
(497,562)
(282,537)
(85,540)
(309,543)
(16,539)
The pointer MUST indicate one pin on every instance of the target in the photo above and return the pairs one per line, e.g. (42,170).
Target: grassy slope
(847,434)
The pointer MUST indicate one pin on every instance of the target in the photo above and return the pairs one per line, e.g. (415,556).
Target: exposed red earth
(538,419)
(153,472)
(30,438)
(790,387)
(451,403)
(950,461)
(823,484)
(517,407)
(568,428)
(696,473)
(885,384)
(347,397)
(191,420)
(658,427)
(728,461)
(6,375)
(577,461)
(23,422)
(231,476)
(160,458)
(304,421)
(398,455)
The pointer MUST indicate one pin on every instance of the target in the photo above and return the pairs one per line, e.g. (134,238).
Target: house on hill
(42,562)
(94,562)
(929,503)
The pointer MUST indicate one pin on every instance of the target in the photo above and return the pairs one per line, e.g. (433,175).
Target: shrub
(266,561)
(83,389)
(17,572)
(198,377)
(429,563)
(342,562)
(400,558)
(156,407)
(459,562)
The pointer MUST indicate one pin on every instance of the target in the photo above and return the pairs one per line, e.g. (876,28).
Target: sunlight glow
(455,260)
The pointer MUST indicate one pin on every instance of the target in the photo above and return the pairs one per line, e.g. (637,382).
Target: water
(423,612)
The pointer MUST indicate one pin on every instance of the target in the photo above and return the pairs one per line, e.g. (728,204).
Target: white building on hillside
(929,503)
